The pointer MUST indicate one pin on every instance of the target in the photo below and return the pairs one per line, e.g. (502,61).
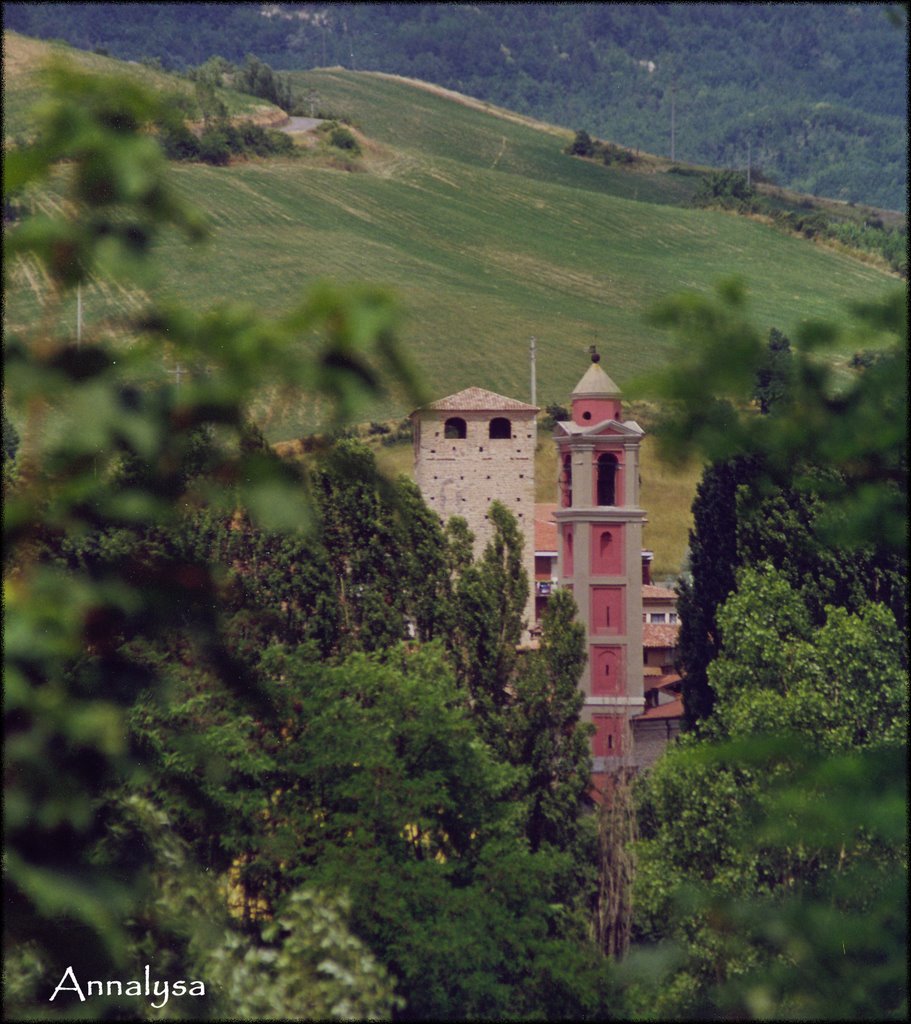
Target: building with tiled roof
(660,637)
(476,446)
(472,448)
(545,556)
(478,400)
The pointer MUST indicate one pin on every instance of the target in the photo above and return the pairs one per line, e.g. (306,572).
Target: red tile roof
(673,709)
(665,682)
(545,527)
(662,593)
(657,635)
(479,400)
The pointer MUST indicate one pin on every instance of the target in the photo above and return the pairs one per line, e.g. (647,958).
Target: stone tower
(599,530)
(473,448)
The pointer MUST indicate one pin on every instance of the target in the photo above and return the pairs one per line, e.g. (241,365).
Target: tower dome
(596,397)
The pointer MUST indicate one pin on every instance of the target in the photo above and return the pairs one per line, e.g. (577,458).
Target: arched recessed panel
(607,550)
(566,481)
(568,550)
(607,676)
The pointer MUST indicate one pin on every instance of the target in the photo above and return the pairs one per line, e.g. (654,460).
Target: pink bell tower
(599,529)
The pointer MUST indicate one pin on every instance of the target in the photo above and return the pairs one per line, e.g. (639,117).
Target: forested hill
(813,94)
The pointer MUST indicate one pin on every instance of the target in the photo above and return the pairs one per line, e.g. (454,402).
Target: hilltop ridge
(814,94)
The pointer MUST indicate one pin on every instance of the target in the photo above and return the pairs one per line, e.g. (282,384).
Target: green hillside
(488,234)
(813,94)
(23,59)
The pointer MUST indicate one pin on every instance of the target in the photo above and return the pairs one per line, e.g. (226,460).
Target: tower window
(586,415)
(607,479)
(566,481)
(455,428)
(500,428)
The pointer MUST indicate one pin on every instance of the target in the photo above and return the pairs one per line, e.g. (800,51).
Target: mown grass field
(489,235)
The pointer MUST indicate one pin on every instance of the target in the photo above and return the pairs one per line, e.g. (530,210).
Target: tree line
(617,69)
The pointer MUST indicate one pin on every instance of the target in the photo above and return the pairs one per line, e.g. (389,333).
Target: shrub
(341,138)
(582,145)
(726,187)
(179,143)
(554,413)
(214,148)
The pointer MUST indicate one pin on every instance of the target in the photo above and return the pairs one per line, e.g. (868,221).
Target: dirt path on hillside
(301,124)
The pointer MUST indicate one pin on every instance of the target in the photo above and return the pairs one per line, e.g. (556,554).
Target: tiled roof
(479,400)
(673,709)
(596,382)
(603,429)
(664,682)
(662,593)
(545,527)
(657,635)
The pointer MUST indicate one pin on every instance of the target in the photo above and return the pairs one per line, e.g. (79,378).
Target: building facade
(475,447)
(599,534)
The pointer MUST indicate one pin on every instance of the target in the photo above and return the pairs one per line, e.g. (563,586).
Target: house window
(607,476)
(455,428)
(500,428)
(672,618)
(659,617)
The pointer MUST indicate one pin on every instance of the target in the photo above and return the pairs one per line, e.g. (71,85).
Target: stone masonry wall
(462,476)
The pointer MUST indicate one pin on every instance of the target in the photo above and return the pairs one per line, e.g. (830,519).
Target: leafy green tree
(258,79)
(76,641)
(582,144)
(737,864)
(712,562)
(377,785)
(426,579)
(211,106)
(773,377)
(365,546)
(548,740)
(490,599)
(839,688)
(760,506)
(213,146)
(725,188)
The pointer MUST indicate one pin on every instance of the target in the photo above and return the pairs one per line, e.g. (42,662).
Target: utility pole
(79,316)
(533,380)
(178,372)
(350,42)
(673,120)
